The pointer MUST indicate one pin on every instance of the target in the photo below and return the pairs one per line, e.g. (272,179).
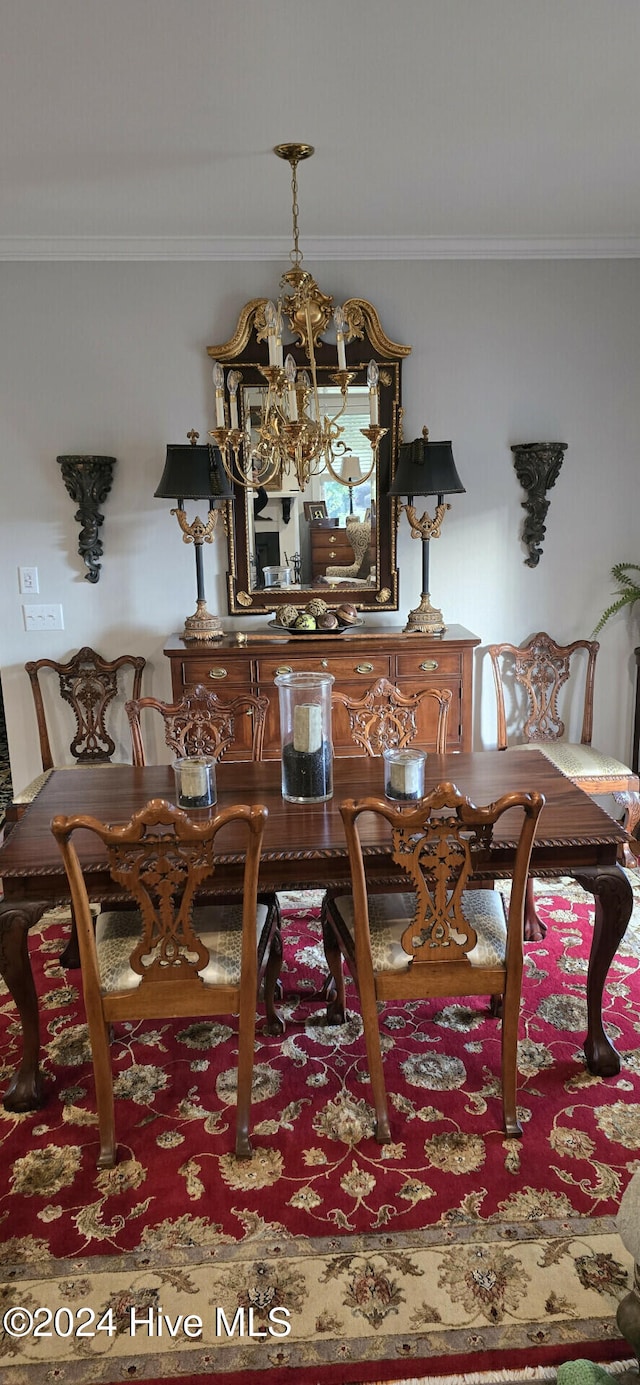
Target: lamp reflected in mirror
(352,474)
(426,468)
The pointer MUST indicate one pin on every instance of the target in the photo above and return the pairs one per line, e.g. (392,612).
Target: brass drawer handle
(324,663)
(284,668)
(429,665)
(364,668)
(217,673)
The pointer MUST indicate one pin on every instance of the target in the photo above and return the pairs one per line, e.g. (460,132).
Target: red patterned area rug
(326,1257)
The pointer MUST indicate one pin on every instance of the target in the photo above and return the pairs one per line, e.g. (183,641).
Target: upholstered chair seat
(219,927)
(581,763)
(389,915)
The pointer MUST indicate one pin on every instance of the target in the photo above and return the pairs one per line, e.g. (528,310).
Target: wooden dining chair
(530,681)
(89,684)
(438,937)
(384,718)
(168,958)
(202,723)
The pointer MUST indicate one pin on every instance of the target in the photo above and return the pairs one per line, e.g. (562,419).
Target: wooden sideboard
(356,659)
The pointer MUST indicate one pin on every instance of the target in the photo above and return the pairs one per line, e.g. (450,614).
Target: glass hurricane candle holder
(305,731)
(404,774)
(195,777)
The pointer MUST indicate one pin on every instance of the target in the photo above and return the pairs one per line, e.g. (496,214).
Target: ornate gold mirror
(308,414)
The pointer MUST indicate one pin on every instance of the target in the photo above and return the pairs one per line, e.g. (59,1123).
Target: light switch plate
(28,581)
(43,617)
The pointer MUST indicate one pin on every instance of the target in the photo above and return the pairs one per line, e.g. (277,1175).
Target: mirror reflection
(322,536)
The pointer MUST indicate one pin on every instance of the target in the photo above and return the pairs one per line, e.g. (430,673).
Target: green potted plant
(628,591)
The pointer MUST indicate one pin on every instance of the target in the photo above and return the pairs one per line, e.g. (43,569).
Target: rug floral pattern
(451,1242)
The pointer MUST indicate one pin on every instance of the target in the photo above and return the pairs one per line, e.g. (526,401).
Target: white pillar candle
(404,777)
(194,780)
(404,773)
(307,726)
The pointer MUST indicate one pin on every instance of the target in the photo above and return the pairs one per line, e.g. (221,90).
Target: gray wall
(110,358)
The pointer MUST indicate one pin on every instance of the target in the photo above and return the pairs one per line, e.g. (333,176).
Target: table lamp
(351,472)
(196,473)
(426,468)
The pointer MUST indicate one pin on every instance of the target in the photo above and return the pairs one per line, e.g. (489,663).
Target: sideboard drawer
(217,672)
(419,664)
(364,667)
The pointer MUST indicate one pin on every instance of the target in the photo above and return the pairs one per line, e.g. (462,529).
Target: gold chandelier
(294,438)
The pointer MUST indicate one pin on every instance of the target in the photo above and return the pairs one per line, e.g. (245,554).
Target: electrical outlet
(28,581)
(43,617)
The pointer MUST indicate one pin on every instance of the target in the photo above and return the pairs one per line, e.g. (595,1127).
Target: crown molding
(255,248)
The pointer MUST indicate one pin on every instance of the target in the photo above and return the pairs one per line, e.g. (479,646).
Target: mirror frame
(365,341)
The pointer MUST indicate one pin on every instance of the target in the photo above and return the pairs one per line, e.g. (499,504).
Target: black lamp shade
(194,473)
(426,468)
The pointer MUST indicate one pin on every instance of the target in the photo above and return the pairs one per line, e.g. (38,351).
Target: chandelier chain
(296,255)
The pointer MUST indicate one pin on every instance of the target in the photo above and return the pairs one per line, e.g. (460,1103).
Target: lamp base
(425,619)
(202,625)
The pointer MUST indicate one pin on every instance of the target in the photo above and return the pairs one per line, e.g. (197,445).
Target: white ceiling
(144,128)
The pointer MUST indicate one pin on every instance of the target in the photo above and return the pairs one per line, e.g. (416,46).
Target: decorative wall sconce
(88,481)
(426,468)
(537,466)
(196,473)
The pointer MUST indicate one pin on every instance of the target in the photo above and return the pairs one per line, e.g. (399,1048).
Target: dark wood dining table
(304,848)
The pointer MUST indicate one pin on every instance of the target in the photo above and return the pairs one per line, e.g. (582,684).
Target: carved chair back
(160,859)
(541,668)
(436,845)
(201,723)
(89,684)
(425,947)
(385,718)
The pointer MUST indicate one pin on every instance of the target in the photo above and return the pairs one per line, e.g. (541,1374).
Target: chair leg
(336,1011)
(534,929)
(70,957)
(246,1046)
(509,1045)
(630,801)
(272,986)
(366,988)
(103,1077)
